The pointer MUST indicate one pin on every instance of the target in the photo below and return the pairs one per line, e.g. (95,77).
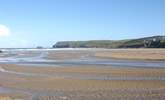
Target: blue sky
(29,23)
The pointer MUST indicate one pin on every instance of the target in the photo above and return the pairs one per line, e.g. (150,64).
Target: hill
(146,42)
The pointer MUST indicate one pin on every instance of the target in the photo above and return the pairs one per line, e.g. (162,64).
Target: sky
(31,23)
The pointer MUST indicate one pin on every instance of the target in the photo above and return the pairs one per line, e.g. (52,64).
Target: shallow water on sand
(40,57)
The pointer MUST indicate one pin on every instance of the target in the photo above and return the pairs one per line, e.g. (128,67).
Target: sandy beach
(138,54)
(80,81)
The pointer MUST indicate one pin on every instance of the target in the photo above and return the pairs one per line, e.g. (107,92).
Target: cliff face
(147,42)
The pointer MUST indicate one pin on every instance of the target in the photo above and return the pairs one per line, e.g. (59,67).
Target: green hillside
(147,42)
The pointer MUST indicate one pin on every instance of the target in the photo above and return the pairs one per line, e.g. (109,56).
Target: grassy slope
(131,43)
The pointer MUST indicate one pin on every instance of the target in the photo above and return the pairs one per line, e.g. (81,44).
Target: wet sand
(70,54)
(138,54)
(84,70)
(79,81)
(52,82)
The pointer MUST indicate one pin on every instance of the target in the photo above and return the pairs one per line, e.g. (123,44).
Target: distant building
(152,43)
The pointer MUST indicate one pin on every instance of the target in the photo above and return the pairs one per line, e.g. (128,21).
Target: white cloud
(4,31)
